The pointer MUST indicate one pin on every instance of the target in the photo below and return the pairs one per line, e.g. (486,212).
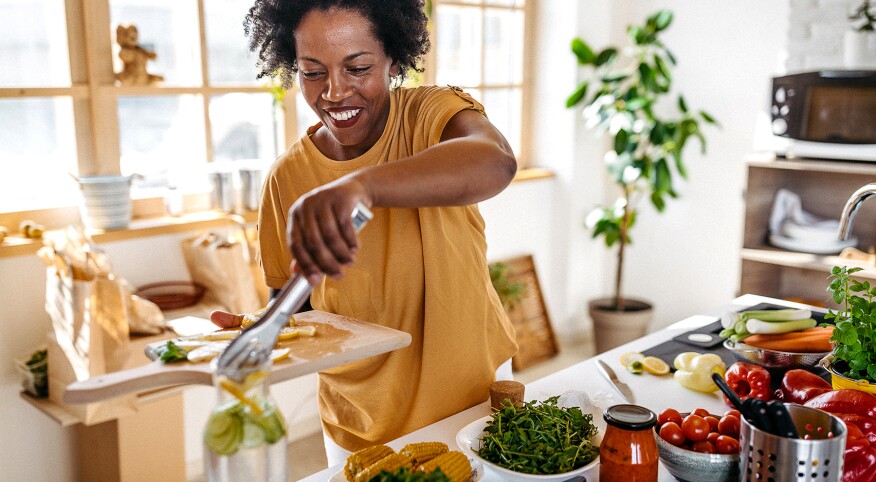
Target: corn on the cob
(454,465)
(362,459)
(390,463)
(423,452)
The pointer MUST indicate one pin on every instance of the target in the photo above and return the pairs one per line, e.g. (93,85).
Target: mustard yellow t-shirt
(422,271)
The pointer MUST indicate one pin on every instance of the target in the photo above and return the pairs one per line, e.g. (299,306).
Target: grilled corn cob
(390,463)
(362,459)
(454,465)
(423,452)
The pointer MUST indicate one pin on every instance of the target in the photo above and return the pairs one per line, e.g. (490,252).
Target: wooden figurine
(134,58)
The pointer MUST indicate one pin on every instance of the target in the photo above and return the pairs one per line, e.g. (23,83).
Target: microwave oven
(827,114)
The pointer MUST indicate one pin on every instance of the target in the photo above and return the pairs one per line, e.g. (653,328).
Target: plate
(808,246)
(469,440)
(477,471)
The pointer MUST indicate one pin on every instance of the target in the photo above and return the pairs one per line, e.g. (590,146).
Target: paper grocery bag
(219,264)
(89,335)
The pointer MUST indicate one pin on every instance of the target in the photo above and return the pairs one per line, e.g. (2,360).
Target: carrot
(812,340)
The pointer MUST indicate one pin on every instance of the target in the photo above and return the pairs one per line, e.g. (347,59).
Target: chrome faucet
(851,208)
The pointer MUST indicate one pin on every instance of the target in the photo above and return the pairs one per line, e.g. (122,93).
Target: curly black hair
(400,25)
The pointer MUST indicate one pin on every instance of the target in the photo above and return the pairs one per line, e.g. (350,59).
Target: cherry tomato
(671,432)
(705,447)
(669,415)
(729,425)
(713,436)
(695,428)
(702,412)
(733,412)
(727,445)
(713,423)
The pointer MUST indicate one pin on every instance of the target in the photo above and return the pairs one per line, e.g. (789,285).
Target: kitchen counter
(653,392)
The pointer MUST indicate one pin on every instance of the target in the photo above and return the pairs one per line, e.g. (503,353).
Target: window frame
(526,86)
(95,106)
(95,100)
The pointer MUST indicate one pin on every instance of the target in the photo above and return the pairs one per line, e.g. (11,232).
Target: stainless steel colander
(772,358)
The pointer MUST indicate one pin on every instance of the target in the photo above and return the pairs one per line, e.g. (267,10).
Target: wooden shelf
(823,187)
(815,262)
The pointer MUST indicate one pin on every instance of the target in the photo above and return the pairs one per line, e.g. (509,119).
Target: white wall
(685,261)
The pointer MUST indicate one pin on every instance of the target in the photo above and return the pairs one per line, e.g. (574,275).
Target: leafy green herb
(171,353)
(854,337)
(539,438)
(404,474)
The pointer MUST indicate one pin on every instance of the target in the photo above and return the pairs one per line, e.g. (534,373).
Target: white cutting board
(338,340)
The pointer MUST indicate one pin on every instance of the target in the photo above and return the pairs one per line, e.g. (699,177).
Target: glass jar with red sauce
(628,452)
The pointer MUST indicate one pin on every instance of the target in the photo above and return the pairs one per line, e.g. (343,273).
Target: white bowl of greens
(574,443)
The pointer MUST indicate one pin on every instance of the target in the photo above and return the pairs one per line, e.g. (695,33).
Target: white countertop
(653,392)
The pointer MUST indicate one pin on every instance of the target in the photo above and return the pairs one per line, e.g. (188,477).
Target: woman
(420,159)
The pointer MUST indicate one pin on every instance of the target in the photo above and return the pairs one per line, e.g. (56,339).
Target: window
(479,46)
(62,114)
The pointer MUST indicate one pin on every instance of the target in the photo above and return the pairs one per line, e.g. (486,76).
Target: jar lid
(630,417)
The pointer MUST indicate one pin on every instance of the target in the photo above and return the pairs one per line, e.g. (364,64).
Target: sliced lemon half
(627,359)
(655,366)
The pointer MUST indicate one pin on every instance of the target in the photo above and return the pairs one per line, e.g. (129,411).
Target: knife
(618,385)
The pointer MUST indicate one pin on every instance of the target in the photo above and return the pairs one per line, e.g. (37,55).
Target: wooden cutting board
(338,340)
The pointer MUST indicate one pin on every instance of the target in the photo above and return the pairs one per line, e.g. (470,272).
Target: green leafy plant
(864,12)
(854,337)
(620,96)
(510,292)
(539,438)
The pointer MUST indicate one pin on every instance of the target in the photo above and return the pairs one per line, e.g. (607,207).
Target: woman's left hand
(321,233)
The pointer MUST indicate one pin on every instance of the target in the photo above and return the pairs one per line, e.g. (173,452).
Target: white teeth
(345,115)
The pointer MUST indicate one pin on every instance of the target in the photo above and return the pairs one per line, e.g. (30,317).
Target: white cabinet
(824,187)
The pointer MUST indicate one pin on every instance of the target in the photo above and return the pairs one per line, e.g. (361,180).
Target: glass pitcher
(245,436)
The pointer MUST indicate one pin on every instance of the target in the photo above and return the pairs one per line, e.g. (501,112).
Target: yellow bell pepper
(694,370)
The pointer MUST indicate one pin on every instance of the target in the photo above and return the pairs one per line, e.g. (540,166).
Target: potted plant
(510,292)
(620,97)
(852,363)
(857,51)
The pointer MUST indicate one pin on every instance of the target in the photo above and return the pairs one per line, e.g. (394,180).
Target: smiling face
(345,77)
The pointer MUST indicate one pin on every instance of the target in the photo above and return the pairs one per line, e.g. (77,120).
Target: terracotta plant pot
(614,328)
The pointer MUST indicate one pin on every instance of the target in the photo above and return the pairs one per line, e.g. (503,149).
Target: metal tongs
(252,348)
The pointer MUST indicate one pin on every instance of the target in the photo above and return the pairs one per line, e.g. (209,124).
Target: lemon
(279,354)
(627,358)
(655,366)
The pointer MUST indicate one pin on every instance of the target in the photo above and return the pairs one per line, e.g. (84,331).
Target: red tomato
(729,425)
(713,436)
(727,445)
(733,412)
(669,415)
(671,432)
(705,447)
(702,412)
(695,428)
(713,423)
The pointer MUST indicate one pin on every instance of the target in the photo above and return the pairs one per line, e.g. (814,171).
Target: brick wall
(815,34)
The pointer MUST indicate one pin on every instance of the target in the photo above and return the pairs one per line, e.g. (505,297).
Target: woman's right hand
(321,234)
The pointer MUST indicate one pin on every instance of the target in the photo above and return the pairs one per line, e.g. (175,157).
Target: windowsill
(16,245)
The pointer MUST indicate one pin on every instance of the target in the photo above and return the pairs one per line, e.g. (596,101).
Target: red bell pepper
(859,459)
(799,386)
(865,425)
(845,401)
(748,381)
